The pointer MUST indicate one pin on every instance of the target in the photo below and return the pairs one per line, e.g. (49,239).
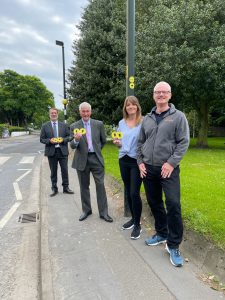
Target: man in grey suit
(88,159)
(56,135)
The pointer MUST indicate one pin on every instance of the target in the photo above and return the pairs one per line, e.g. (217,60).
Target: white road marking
(3,159)
(9,214)
(27,160)
(17,191)
(22,176)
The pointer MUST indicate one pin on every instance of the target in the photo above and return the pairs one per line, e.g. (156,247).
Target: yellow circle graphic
(119,135)
(131,79)
(59,140)
(114,134)
(82,130)
(76,131)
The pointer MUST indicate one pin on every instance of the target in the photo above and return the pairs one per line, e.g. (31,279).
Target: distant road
(20,160)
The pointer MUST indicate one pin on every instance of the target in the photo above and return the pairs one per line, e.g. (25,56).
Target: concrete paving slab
(94,259)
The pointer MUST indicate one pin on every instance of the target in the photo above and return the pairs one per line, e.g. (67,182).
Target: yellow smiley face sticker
(117,135)
(81,131)
(114,134)
(60,140)
(57,140)
(76,131)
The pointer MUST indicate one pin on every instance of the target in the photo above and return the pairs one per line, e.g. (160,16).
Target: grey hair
(164,82)
(85,104)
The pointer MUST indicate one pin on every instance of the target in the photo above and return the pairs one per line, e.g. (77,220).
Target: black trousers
(53,164)
(168,222)
(132,183)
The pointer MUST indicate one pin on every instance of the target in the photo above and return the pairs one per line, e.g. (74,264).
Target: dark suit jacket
(98,141)
(47,134)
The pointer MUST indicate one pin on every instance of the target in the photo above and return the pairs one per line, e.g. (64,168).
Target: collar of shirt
(56,123)
(86,123)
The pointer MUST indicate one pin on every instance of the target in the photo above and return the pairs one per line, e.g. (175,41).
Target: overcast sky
(28,30)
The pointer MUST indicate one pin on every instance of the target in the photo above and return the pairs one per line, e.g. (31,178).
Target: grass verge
(202,187)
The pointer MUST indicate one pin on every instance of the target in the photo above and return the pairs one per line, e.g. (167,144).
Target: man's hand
(167,170)
(142,169)
(53,141)
(77,137)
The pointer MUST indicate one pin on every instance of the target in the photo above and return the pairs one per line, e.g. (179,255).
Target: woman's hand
(117,142)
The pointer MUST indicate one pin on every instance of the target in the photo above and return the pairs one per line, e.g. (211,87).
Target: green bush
(16,128)
(108,131)
(10,128)
(2,127)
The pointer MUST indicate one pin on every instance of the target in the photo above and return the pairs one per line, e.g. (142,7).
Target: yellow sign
(65,101)
(131,80)
(81,131)
(117,135)
(57,140)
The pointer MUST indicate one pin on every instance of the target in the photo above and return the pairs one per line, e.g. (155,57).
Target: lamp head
(59,43)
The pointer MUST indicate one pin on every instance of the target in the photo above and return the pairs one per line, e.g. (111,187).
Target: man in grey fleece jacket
(163,141)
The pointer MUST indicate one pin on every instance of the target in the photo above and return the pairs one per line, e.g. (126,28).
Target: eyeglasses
(161,92)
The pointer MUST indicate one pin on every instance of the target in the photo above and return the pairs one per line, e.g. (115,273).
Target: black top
(160,116)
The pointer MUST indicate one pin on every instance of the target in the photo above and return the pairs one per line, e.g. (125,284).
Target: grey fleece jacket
(166,142)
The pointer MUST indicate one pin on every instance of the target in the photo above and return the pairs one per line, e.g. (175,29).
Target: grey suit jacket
(98,141)
(47,133)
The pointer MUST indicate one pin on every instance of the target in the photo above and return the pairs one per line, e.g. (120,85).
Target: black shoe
(135,234)
(67,191)
(54,192)
(84,216)
(128,225)
(107,218)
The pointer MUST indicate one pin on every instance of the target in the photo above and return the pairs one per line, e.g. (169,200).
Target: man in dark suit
(56,135)
(88,159)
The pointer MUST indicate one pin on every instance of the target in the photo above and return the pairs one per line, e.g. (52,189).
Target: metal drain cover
(29,218)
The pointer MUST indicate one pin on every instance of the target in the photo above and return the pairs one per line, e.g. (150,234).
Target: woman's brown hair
(133,100)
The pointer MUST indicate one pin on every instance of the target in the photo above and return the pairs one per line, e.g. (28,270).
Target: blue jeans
(168,222)
(132,183)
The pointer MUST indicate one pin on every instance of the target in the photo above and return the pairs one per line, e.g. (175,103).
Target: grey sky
(28,30)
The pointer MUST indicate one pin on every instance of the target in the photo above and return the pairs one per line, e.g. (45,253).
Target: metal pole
(64,84)
(130,79)
(130,68)
(60,43)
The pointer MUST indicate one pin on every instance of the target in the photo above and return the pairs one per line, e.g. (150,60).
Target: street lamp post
(65,101)
(130,67)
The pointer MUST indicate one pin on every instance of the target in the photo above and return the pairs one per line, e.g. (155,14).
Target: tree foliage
(182,42)
(23,98)
(98,71)
(178,41)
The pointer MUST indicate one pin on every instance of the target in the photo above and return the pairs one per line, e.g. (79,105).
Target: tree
(23,99)
(182,42)
(98,72)
(178,41)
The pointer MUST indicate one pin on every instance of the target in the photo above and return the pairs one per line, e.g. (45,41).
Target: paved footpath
(94,259)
